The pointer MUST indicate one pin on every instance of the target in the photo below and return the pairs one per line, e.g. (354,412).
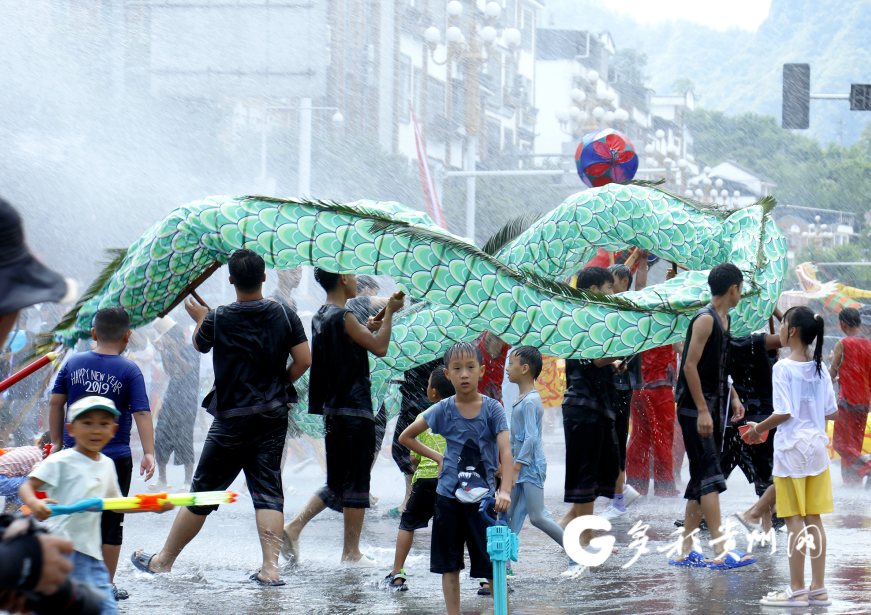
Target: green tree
(684,85)
(806,172)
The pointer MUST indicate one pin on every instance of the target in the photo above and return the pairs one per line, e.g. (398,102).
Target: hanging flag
(433,208)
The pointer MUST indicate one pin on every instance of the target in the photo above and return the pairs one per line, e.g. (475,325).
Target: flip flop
(732,560)
(256,578)
(693,560)
(141,560)
(772,600)
(751,527)
(816,592)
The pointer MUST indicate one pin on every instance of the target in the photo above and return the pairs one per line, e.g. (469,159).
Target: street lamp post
(305,140)
(471,56)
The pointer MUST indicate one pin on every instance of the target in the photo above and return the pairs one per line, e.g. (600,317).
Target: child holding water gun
(75,474)
(804,400)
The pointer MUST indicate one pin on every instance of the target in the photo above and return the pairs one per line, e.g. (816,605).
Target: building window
(527,30)
(458,102)
(418,81)
(435,97)
(404,86)
(494,147)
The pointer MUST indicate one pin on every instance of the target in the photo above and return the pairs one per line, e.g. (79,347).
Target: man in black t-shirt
(252,341)
(592,453)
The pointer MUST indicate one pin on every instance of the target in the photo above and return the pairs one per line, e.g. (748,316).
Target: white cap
(92,402)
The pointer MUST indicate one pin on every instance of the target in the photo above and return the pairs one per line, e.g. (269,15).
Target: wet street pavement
(211,575)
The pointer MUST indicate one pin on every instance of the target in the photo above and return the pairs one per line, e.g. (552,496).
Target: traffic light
(796,96)
(860,97)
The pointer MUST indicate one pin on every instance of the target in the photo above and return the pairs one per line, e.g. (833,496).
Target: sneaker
(630,494)
(510,574)
(616,517)
(120,594)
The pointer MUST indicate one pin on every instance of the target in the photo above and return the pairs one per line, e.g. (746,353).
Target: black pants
(704,456)
(755,460)
(111,522)
(350,444)
(251,444)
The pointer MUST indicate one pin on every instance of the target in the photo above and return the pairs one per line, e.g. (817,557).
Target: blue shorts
(9,487)
(92,571)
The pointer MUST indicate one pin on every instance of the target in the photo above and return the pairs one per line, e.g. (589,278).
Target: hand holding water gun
(150,502)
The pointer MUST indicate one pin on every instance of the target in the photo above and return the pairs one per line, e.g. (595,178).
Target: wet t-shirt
(712,368)
(339,384)
(252,342)
(107,375)
(589,387)
(472,453)
(750,368)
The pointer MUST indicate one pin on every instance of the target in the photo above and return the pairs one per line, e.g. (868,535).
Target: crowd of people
(458,447)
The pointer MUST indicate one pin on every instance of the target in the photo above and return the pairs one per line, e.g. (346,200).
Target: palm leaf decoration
(511,231)
(720,211)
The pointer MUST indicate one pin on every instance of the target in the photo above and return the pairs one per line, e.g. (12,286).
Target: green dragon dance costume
(514,293)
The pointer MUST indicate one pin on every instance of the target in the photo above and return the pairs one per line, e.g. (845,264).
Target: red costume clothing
(494,370)
(653,413)
(603,259)
(854,378)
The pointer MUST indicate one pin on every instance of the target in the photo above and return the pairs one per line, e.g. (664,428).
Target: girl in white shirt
(803,401)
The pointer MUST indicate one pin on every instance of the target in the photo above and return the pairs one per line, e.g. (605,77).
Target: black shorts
(421,505)
(622,408)
(454,525)
(175,434)
(350,446)
(111,522)
(592,455)
(755,460)
(704,456)
(251,444)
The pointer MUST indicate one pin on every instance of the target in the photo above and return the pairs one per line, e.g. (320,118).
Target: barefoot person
(340,391)
(252,341)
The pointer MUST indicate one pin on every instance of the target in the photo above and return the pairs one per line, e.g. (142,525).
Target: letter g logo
(572,538)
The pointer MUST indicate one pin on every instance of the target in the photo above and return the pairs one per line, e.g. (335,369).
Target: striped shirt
(20,461)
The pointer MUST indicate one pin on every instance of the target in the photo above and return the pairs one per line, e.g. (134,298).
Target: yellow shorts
(808,495)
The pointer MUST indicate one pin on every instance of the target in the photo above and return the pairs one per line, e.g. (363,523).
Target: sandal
(693,560)
(733,559)
(484,590)
(256,578)
(142,560)
(816,592)
(773,598)
(389,582)
(123,594)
